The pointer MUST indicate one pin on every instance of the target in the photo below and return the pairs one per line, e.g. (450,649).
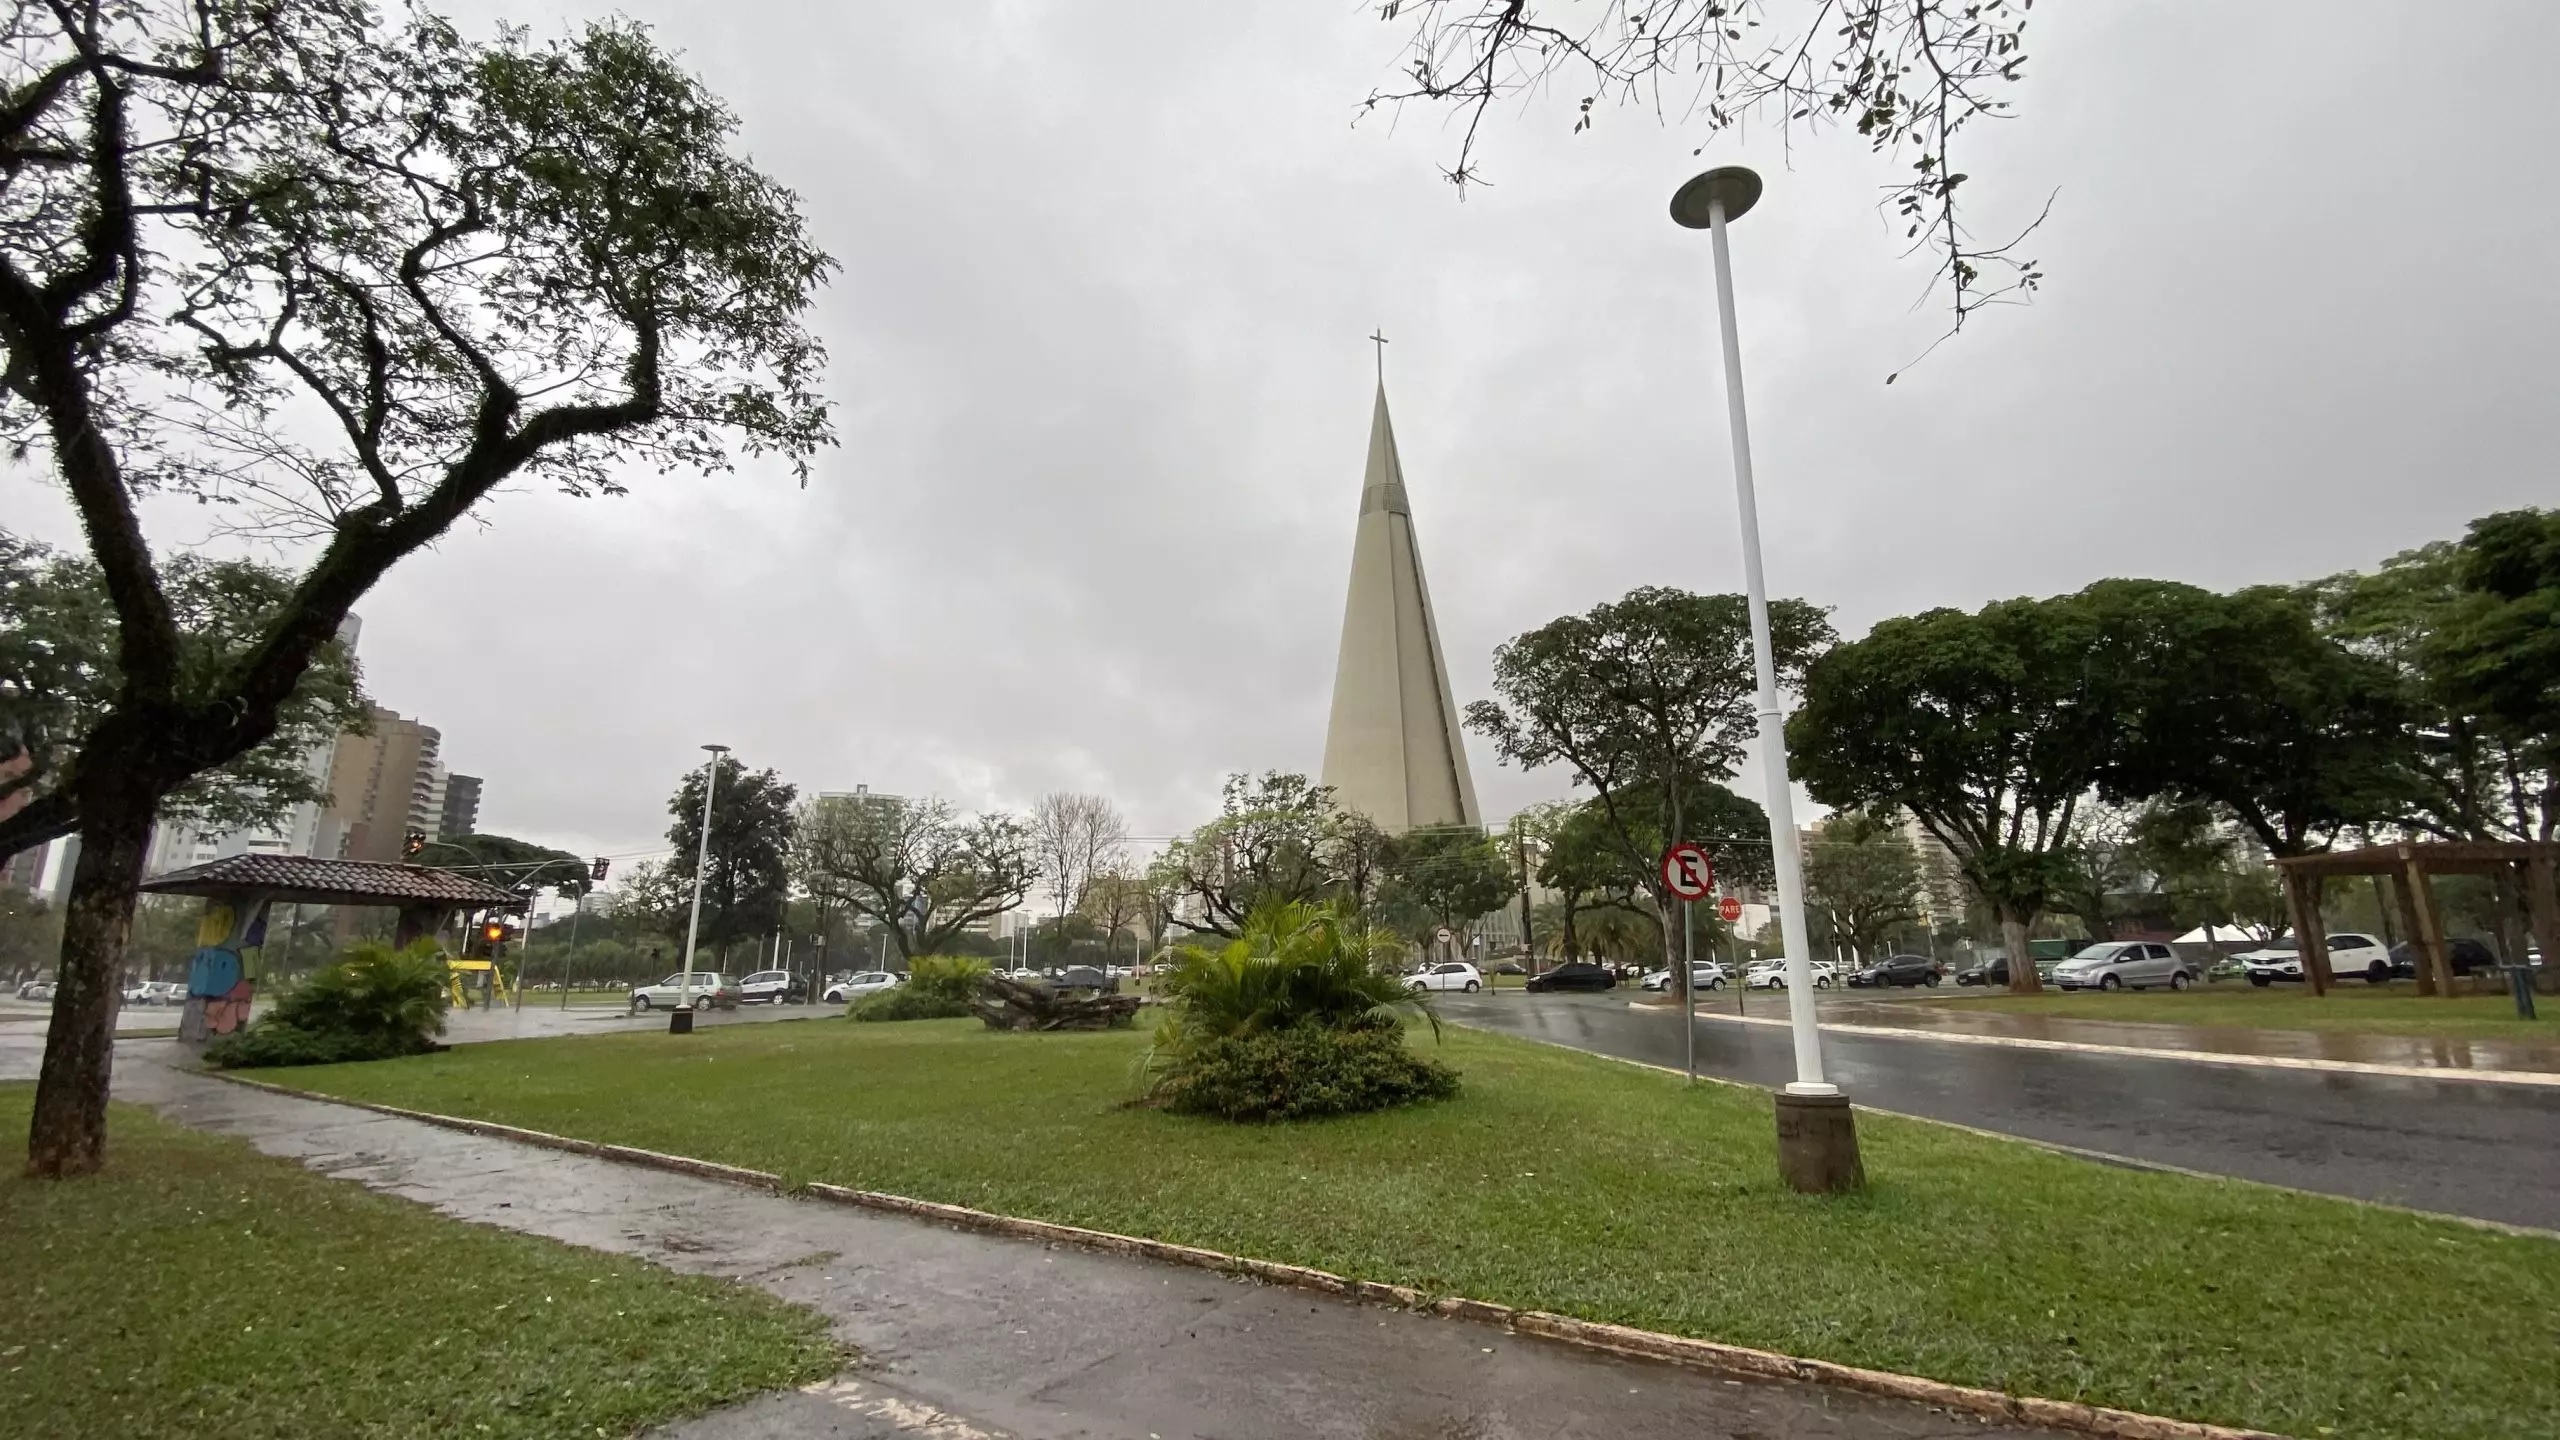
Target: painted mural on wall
(219,986)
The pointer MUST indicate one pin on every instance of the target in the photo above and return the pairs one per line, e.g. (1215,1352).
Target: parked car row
(156,992)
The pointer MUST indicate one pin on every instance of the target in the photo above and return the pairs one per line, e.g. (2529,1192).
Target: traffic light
(412,843)
(596,869)
(495,932)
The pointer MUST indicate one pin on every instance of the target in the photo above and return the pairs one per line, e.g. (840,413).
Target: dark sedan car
(1997,973)
(1897,970)
(1575,975)
(2465,953)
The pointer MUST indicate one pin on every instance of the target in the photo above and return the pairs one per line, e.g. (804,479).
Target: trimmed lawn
(2354,1008)
(198,1290)
(1569,1183)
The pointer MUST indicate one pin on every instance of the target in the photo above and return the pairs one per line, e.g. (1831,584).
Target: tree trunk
(2022,956)
(68,1133)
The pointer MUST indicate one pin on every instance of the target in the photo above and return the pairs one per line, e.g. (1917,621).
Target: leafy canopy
(60,673)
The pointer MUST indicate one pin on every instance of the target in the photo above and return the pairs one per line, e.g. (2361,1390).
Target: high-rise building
(25,870)
(1392,749)
(461,815)
(379,786)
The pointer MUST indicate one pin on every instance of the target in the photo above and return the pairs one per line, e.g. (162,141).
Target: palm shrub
(374,1004)
(1302,1015)
(945,977)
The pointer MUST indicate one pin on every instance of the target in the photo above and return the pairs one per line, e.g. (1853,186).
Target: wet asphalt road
(2460,1147)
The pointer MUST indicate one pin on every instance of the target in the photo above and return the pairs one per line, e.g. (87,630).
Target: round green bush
(1303,1072)
(907,1002)
(376,1004)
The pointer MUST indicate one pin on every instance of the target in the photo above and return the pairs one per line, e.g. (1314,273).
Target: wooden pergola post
(2404,889)
(2311,942)
(2427,924)
(2542,902)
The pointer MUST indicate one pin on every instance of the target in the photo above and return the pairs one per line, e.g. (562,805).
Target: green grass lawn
(198,1290)
(2355,1008)
(1569,1183)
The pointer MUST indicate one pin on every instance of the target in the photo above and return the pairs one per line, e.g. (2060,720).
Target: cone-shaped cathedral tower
(1393,750)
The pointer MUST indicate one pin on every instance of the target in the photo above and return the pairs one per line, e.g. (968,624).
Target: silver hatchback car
(2123,965)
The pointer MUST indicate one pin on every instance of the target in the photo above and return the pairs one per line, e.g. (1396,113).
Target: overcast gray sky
(1104,393)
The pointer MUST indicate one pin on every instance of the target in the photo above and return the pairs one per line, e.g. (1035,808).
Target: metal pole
(1773,740)
(575,915)
(1689,987)
(701,865)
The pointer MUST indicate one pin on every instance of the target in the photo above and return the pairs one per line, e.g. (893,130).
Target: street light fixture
(681,1022)
(1817,1134)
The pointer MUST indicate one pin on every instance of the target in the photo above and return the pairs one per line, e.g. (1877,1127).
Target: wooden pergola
(2411,868)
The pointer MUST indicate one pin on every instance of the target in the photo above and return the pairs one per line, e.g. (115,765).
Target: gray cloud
(1104,395)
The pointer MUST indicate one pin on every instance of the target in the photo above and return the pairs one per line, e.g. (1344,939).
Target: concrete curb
(1583,1334)
(2141,1052)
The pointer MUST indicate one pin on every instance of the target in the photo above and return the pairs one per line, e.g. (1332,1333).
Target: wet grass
(1570,1183)
(2351,1008)
(198,1290)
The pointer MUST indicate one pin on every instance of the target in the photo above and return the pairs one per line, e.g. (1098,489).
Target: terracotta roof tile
(310,881)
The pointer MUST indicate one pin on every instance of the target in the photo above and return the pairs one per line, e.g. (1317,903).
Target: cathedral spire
(1393,749)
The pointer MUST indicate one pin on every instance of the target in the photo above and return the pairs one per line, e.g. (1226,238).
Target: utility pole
(1528,941)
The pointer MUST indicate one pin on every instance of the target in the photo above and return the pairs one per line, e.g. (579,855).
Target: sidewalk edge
(1596,1335)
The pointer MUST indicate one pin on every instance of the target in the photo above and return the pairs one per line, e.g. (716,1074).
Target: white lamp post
(1817,1144)
(681,1022)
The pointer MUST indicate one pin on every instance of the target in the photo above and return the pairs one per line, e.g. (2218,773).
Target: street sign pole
(1689,987)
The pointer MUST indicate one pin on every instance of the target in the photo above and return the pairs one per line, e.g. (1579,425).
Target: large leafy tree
(1862,876)
(2240,700)
(1988,727)
(2497,656)
(345,277)
(1445,876)
(916,868)
(1649,700)
(61,671)
(749,876)
(1279,839)
(508,863)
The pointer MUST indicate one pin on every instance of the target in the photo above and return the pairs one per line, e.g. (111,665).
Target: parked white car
(1452,975)
(1703,975)
(1772,975)
(704,990)
(2123,965)
(854,987)
(2350,956)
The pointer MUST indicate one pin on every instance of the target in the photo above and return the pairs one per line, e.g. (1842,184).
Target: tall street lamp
(1817,1135)
(681,1022)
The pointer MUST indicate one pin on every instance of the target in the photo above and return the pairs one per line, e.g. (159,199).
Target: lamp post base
(680,1023)
(1818,1144)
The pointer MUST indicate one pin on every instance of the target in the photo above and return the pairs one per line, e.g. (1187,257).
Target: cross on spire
(1380,337)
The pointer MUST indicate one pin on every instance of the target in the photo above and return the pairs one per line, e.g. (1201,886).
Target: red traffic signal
(412,843)
(595,871)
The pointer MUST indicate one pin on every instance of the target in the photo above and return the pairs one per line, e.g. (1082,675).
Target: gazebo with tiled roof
(239,889)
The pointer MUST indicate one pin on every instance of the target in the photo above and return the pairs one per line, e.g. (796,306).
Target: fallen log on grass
(1009,1004)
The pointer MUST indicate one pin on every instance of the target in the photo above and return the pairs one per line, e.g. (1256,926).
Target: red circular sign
(1728,909)
(1687,872)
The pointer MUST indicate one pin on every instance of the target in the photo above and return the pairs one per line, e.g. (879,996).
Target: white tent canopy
(2221,935)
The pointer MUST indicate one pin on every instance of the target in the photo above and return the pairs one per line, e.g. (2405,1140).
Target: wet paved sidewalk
(966,1335)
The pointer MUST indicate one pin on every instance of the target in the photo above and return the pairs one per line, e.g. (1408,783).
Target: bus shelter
(239,890)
